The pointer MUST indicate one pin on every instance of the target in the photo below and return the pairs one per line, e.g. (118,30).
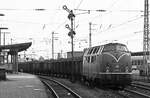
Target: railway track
(142,86)
(135,90)
(138,89)
(121,93)
(59,90)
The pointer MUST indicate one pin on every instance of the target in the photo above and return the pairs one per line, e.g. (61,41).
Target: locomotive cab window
(90,51)
(115,47)
(98,48)
(95,51)
(109,48)
(121,48)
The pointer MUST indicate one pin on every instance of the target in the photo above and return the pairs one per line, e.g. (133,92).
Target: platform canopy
(15,47)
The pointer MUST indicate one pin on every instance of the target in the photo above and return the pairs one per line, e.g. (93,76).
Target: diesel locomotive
(108,64)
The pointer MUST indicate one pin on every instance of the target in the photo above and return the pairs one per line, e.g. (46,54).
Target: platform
(22,86)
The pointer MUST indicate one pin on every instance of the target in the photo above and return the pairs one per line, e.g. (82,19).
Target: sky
(121,22)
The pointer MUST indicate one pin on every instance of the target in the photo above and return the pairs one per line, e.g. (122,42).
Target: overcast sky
(122,22)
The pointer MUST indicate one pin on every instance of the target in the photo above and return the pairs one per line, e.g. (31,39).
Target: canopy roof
(19,47)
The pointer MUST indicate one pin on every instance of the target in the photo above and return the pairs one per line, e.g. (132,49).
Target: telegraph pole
(90,41)
(52,45)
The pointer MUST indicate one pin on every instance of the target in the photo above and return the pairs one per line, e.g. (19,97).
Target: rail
(137,93)
(57,92)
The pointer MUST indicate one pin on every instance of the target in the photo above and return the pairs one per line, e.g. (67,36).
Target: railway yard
(107,57)
(53,87)
(100,73)
(136,89)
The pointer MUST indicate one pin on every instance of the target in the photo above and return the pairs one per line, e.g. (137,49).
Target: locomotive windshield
(115,47)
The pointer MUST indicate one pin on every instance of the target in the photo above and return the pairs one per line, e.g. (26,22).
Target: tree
(41,58)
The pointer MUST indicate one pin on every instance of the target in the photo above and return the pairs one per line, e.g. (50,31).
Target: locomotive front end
(116,65)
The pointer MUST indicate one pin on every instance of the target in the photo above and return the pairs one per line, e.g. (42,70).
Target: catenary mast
(146,38)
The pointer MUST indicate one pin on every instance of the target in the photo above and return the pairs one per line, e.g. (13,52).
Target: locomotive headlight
(107,69)
(127,69)
(117,66)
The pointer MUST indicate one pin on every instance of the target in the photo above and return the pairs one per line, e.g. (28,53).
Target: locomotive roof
(107,44)
(115,44)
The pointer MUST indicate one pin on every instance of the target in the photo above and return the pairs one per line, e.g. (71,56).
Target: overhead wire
(54,18)
(110,7)
(113,3)
(110,11)
(24,22)
(27,22)
(66,19)
(55,15)
(74,18)
(61,24)
(79,4)
(126,22)
(64,22)
(34,9)
(97,16)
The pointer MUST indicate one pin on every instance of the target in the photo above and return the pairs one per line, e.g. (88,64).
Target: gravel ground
(87,92)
